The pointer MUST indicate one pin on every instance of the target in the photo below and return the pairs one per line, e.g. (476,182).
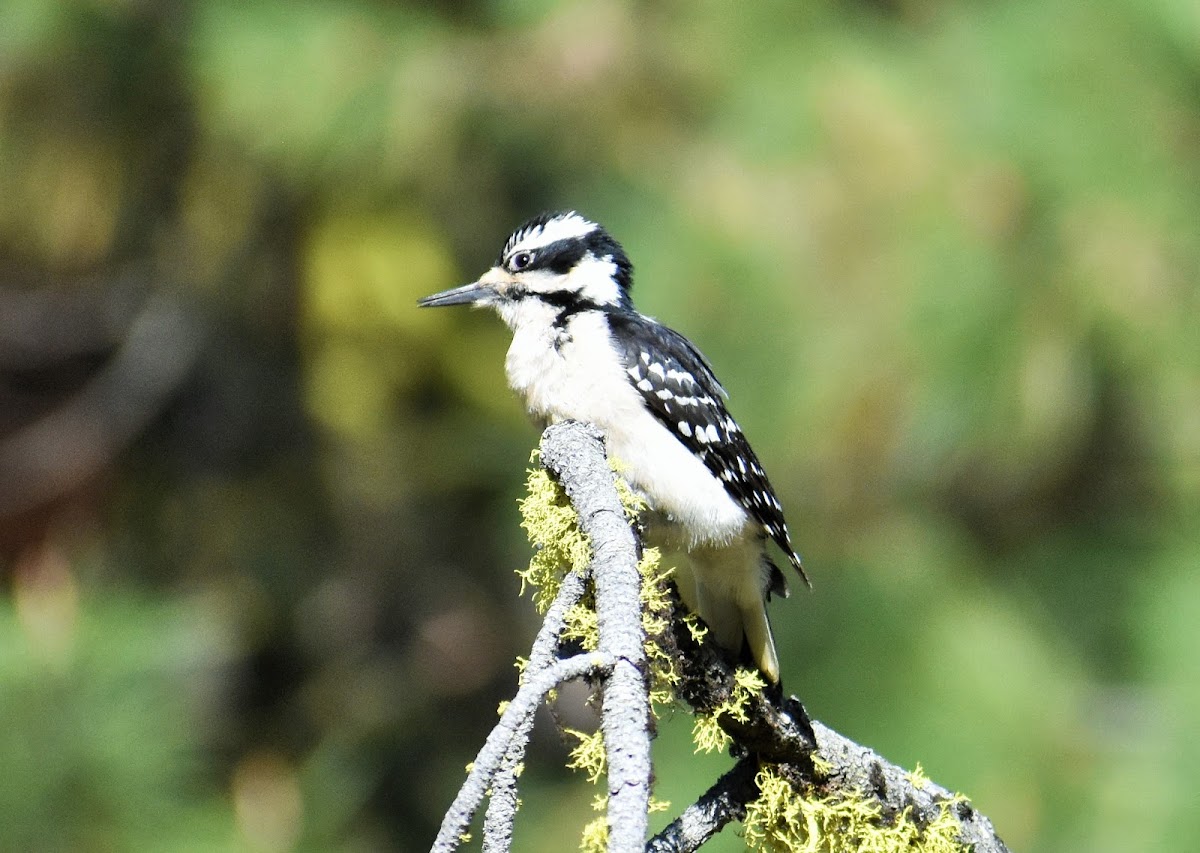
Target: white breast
(582,379)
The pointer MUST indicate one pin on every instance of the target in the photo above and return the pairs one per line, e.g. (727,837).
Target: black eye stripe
(557,257)
(560,257)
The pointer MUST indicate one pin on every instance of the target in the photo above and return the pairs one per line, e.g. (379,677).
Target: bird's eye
(520,260)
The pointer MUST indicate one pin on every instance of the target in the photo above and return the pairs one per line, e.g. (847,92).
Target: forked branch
(794,777)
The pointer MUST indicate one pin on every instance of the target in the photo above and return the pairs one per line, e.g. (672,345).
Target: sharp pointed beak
(469,294)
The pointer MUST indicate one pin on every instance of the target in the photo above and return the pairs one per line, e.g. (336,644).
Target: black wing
(680,388)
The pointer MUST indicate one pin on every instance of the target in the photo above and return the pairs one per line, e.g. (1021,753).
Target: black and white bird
(581,351)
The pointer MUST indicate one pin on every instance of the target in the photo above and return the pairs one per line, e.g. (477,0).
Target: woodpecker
(581,351)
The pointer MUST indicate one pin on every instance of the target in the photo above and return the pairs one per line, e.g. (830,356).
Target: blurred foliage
(257,517)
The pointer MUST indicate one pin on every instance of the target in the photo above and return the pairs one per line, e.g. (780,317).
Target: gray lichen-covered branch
(793,777)
(575,455)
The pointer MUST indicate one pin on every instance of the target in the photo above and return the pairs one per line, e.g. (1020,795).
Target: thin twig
(501,812)
(487,762)
(724,802)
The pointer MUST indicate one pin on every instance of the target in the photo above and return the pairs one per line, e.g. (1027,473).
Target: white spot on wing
(657,370)
(685,428)
(711,433)
(644,385)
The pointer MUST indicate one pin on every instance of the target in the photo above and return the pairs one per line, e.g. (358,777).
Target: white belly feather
(582,380)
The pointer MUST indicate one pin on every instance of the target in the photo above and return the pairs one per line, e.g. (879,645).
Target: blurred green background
(257,512)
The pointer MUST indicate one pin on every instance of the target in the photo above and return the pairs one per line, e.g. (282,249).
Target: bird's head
(557,259)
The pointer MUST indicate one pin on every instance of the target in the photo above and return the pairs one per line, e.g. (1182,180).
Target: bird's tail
(728,589)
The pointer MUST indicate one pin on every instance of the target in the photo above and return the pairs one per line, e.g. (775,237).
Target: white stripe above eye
(565,227)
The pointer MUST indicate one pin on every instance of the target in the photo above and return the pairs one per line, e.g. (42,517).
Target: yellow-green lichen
(822,767)
(917,777)
(580,624)
(784,820)
(588,754)
(553,528)
(707,733)
(595,832)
